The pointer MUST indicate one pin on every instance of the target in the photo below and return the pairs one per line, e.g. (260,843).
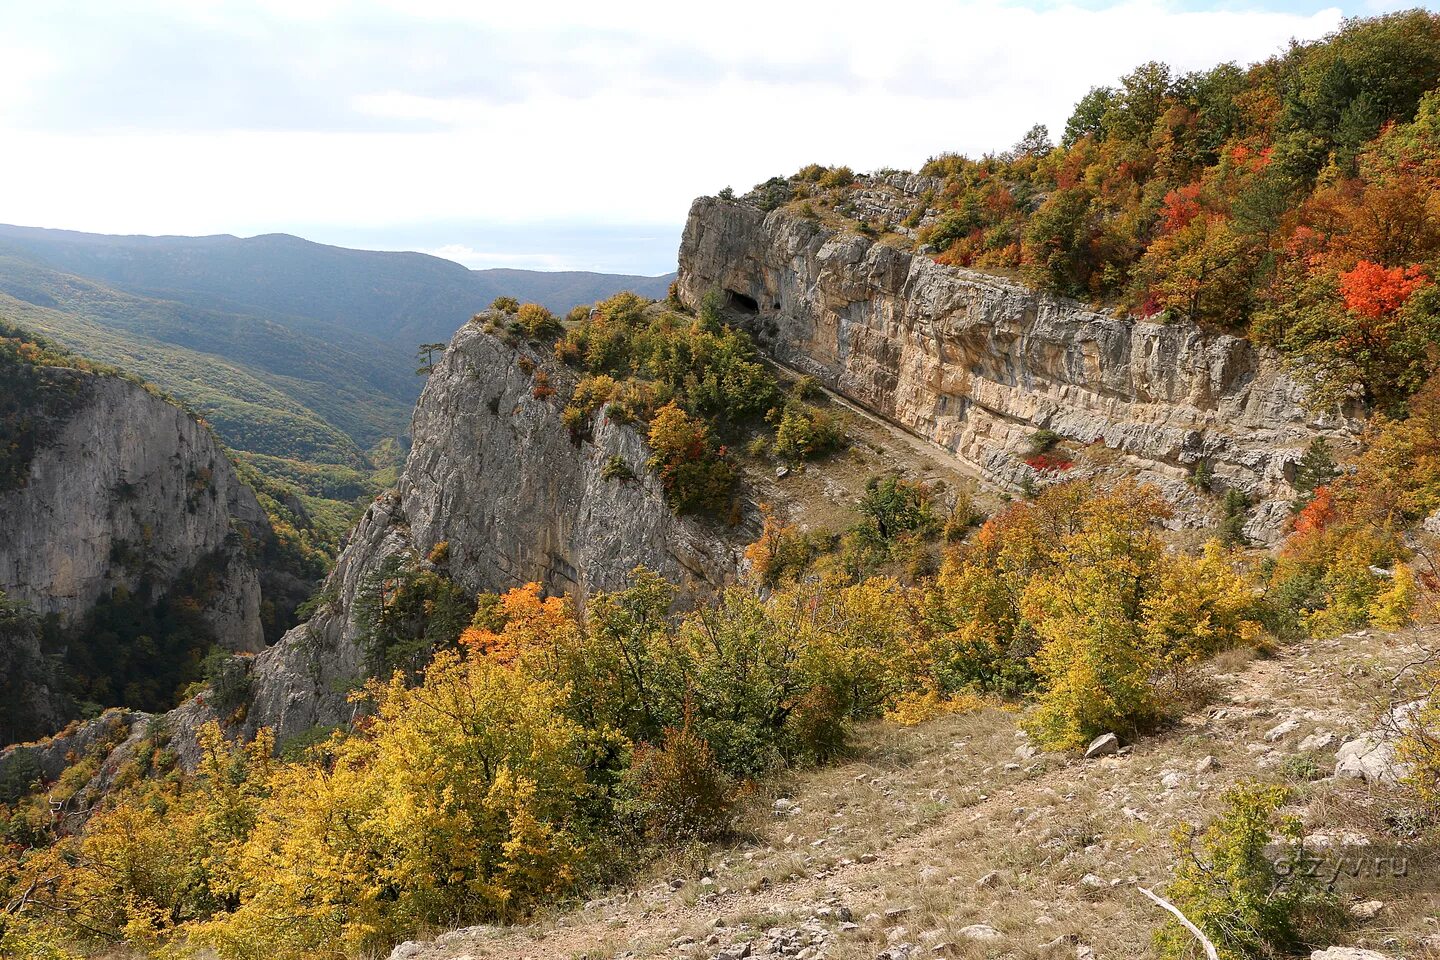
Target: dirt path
(934,831)
(920,445)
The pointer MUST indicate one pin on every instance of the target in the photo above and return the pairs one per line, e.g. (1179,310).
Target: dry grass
(917,816)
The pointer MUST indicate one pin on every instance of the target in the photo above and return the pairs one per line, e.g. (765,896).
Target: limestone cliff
(127,493)
(495,474)
(977,363)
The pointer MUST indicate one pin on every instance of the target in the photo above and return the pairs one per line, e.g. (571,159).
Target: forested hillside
(402,298)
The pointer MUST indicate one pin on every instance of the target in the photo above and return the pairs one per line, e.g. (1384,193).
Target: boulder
(1104,745)
(1281,730)
(980,931)
(1371,756)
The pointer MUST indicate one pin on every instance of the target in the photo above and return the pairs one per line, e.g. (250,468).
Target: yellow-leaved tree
(1116,619)
(160,857)
(453,804)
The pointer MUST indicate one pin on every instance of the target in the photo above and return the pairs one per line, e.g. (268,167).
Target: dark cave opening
(739,301)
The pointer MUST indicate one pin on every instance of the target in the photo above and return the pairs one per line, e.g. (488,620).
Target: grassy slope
(917,816)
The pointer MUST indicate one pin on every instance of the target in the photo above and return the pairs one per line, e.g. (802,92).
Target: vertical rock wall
(977,363)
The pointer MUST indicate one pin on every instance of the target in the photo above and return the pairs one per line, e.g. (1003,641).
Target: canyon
(968,366)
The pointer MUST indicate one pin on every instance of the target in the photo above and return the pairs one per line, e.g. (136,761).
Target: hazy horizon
(556,137)
(645,246)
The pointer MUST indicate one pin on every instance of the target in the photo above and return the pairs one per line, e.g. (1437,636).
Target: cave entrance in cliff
(740,302)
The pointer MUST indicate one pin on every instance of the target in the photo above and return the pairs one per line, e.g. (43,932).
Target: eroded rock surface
(132,494)
(495,474)
(977,363)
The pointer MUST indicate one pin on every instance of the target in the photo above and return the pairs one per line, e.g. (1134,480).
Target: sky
(542,135)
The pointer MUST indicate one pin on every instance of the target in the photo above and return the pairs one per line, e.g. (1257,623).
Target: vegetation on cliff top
(1294,201)
(697,382)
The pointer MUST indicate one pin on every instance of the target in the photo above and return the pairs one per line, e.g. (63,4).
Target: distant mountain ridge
(407,297)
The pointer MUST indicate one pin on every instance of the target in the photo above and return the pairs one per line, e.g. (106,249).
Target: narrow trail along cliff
(977,363)
(957,839)
(924,449)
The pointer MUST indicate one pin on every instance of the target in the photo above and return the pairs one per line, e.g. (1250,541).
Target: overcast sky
(566,135)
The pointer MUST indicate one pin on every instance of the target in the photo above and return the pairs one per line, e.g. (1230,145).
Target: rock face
(133,493)
(495,474)
(977,364)
(129,474)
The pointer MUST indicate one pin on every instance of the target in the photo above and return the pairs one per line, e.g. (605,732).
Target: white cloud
(603,113)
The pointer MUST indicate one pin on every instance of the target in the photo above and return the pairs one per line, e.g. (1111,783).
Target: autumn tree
(691,466)
(458,802)
(537,322)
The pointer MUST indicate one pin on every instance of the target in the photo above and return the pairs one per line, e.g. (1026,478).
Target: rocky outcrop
(1373,756)
(132,494)
(105,745)
(495,475)
(977,364)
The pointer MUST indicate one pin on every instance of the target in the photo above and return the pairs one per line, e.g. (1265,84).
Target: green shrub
(1201,476)
(1302,768)
(405,614)
(229,679)
(781,553)
(892,507)
(1042,440)
(1314,470)
(676,792)
(805,432)
(1244,881)
(300,746)
(657,356)
(616,468)
(1232,522)
(772,194)
(806,388)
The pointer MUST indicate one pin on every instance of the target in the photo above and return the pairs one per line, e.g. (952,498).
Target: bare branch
(1167,905)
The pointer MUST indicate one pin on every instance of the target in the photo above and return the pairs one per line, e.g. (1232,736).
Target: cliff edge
(977,363)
